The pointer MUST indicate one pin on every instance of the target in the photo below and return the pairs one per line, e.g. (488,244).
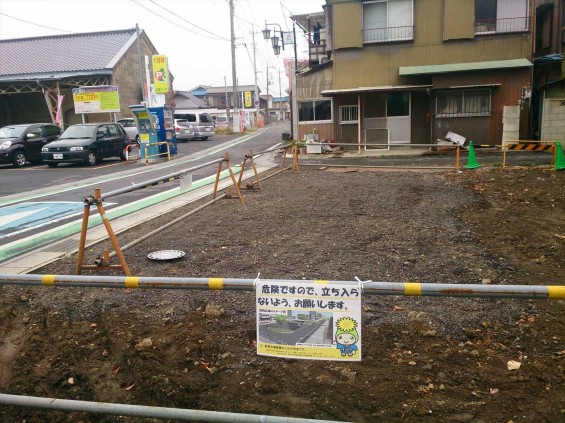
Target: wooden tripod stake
(235,184)
(82,243)
(252,184)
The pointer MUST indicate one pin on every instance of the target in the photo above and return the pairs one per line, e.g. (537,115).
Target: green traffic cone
(559,158)
(472,160)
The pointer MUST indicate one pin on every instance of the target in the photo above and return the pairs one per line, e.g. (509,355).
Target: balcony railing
(497,26)
(388,34)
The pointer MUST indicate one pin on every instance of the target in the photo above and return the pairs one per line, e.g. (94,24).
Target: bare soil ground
(424,359)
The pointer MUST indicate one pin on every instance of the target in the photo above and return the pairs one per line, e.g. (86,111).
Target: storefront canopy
(462,67)
(382,88)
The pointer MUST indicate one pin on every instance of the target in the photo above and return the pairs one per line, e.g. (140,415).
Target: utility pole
(280,96)
(140,67)
(233,74)
(267,117)
(227,102)
(294,103)
(256,96)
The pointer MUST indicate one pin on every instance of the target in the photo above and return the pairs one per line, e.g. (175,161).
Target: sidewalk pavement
(29,261)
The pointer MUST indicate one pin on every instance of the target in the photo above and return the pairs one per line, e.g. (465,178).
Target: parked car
(131,128)
(87,143)
(22,143)
(202,123)
(183,130)
(222,121)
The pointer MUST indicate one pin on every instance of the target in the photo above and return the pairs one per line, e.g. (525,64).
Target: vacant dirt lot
(424,359)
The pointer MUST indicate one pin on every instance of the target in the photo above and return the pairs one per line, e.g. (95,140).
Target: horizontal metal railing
(388,34)
(554,292)
(489,26)
(129,410)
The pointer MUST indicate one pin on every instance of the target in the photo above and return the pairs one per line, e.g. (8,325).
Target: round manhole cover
(166,255)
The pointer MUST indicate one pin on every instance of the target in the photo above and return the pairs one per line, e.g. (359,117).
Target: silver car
(130,127)
(184,131)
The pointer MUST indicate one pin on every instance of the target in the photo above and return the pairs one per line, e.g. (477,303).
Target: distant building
(33,71)
(548,96)
(215,97)
(186,100)
(409,71)
(281,106)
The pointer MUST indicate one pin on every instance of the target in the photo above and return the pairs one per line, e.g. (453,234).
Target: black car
(22,143)
(87,143)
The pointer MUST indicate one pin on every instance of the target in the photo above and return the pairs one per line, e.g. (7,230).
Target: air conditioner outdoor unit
(323,60)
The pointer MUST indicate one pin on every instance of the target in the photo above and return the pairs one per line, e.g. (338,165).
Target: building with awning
(35,71)
(405,72)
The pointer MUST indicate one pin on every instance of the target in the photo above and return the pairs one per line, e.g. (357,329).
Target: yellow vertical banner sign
(160,74)
(248,99)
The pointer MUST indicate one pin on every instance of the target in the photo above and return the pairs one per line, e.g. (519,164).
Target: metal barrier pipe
(158,154)
(141,185)
(369,287)
(384,144)
(380,166)
(268,150)
(145,411)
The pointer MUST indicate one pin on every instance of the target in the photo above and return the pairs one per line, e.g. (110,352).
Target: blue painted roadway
(23,216)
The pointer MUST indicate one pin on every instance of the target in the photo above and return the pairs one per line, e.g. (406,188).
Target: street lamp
(277,51)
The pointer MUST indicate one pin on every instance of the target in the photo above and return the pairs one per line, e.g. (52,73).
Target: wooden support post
(217,180)
(235,183)
(227,160)
(82,241)
(504,146)
(256,174)
(295,158)
(110,231)
(457,159)
(284,156)
(243,169)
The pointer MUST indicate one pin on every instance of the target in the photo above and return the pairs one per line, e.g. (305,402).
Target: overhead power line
(175,23)
(188,22)
(36,24)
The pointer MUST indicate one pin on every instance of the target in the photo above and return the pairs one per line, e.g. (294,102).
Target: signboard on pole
(315,321)
(288,38)
(96,99)
(160,74)
(248,99)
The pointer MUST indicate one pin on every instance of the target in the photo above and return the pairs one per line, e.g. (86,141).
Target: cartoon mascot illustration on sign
(346,336)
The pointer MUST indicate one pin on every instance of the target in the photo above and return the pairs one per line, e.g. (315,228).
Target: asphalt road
(36,199)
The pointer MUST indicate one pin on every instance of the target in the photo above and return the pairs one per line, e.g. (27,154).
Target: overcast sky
(194,34)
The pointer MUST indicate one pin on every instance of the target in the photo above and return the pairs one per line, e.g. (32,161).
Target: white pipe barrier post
(145,411)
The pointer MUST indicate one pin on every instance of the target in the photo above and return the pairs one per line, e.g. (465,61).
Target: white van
(201,122)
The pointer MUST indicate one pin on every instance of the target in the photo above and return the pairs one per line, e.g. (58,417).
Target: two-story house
(409,71)
(548,97)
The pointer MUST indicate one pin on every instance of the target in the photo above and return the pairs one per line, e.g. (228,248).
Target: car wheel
(19,158)
(123,154)
(92,158)
(53,165)
(204,138)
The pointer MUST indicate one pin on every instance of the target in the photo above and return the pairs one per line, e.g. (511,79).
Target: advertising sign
(160,74)
(96,99)
(315,321)
(288,38)
(248,102)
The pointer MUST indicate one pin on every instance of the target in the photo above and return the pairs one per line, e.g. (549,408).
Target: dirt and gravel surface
(424,359)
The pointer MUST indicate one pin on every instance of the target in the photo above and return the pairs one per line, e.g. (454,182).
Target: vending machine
(165,126)
(156,130)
